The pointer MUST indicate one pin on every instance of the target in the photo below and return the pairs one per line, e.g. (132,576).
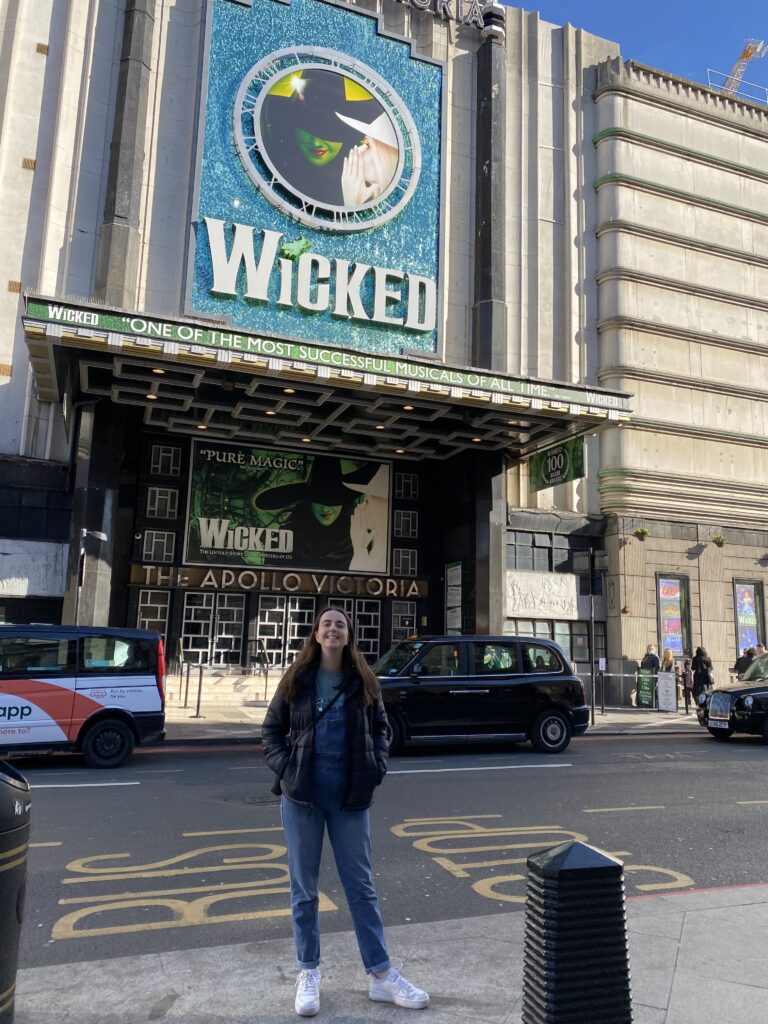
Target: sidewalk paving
(696,958)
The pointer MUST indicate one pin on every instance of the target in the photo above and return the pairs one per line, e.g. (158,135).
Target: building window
(159,546)
(404,562)
(571,637)
(406,523)
(34,515)
(407,486)
(153,610)
(403,619)
(529,552)
(166,461)
(162,503)
(748,613)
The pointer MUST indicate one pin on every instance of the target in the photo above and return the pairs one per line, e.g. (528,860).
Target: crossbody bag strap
(322,714)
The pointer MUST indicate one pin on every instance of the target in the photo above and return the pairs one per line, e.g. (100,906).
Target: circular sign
(555,465)
(326,139)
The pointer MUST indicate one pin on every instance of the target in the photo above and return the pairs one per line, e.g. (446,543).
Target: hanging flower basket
(718,539)
(641,533)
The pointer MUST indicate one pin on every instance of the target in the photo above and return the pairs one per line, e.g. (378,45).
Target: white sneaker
(394,988)
(308,992)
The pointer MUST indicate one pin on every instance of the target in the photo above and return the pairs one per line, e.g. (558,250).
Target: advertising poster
(746,615)
(646,688)
(453,597)
(667,691)
(671,615)
(257,507)
(318,198)
(556,465)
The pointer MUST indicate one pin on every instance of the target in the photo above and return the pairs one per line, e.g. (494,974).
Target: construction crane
(753,48)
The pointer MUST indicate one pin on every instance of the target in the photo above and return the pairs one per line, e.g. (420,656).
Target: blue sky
(679,36)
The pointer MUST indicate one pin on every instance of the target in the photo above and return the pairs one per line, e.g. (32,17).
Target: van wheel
(397,739)
(550,732)
(107,744)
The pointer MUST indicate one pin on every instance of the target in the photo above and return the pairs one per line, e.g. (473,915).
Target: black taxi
(483,688)
(740,706)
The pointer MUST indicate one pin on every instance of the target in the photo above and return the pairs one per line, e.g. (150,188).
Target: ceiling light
(157,369)
(306,440)
(408,408)
(151,397)
(477,440)
(379,426)
(202,426)
(290,391)
(399,451)
(270,412)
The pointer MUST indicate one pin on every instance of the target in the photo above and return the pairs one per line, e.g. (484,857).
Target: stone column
(489,313)
(97,460)
(118,260)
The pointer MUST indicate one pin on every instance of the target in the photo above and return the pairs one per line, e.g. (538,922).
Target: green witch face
(315,150)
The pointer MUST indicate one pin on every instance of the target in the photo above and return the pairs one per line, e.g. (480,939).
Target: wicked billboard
(318,200)
(256,507)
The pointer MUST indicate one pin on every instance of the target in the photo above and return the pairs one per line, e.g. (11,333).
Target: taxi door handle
(452,692)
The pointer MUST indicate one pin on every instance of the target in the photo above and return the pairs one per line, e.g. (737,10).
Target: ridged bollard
(576,963)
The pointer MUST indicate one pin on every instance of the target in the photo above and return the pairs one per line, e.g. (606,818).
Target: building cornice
(626,323)
(719,387)
(681,241)
(672,284)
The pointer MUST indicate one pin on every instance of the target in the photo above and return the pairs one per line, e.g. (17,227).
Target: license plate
(715,724)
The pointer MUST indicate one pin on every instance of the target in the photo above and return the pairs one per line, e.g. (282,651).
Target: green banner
(646,688)
(557,465)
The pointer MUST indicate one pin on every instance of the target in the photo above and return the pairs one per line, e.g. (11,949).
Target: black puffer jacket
(367,743)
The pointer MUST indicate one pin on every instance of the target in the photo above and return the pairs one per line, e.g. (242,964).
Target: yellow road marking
(155,869)
(234,831)
(609,810)
(257,884)
(35,846)
(462,818)
(487,887)
(680,881)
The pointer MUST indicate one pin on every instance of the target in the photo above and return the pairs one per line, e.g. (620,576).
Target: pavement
(695,956)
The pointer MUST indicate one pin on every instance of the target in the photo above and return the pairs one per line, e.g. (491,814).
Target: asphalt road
(185,849)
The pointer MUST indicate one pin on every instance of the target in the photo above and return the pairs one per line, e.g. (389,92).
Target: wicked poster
(289,510)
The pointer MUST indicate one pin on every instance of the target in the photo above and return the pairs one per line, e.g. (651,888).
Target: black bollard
(14,841)
(576,962)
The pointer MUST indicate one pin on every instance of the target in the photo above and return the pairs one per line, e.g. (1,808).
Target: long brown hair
(352,663)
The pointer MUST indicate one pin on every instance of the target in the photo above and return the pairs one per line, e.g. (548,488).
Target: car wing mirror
(417,671)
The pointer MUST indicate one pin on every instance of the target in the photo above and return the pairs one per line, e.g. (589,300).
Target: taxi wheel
(397,739)
(550,732)
(721,734)
(107,744)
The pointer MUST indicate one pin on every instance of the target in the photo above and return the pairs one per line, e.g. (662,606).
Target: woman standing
(687,676)
(702,672)
(326,739)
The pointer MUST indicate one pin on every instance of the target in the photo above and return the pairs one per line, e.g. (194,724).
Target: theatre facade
(409,307)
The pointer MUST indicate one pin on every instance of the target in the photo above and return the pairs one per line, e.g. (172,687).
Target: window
(153,610)
(406,523)
(166,461)
(159,546)
(43,656)
(404,561)
(403,619)
(540,659)
(407,486)
(529,552)
(34,514)
(495,658)
(162,503)
(108,655)
(440,660)
(571,637)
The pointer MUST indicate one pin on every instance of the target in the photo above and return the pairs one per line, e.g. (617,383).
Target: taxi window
(35,655)
(495,658)
(538,658)
(440,660)
(110,655)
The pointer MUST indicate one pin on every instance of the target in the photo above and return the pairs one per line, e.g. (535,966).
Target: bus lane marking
(454,843)
(611,810)
(262,890)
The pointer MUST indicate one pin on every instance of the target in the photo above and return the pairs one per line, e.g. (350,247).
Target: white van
(84,688)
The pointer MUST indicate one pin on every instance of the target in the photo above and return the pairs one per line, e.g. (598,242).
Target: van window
(24,656)
(110,655)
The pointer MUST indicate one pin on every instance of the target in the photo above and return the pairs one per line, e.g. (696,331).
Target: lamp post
(81,564)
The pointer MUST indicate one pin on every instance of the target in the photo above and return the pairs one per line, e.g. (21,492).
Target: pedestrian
(759,649)
(687,678)
(702,672)
(650,659)
(743,663)
(326,738)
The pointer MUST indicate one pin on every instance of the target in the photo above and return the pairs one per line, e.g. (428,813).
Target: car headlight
(747,702)
(702,699)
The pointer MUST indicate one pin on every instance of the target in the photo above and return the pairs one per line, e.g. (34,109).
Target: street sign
(557,465)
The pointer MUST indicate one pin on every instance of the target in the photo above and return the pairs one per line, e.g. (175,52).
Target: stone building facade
(601,245)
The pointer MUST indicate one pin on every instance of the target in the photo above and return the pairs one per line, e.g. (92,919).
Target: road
(184,848)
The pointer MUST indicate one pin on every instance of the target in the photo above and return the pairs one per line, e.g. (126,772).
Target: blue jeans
(350,835)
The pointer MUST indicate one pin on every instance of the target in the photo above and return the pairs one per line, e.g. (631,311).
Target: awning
(192,376)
